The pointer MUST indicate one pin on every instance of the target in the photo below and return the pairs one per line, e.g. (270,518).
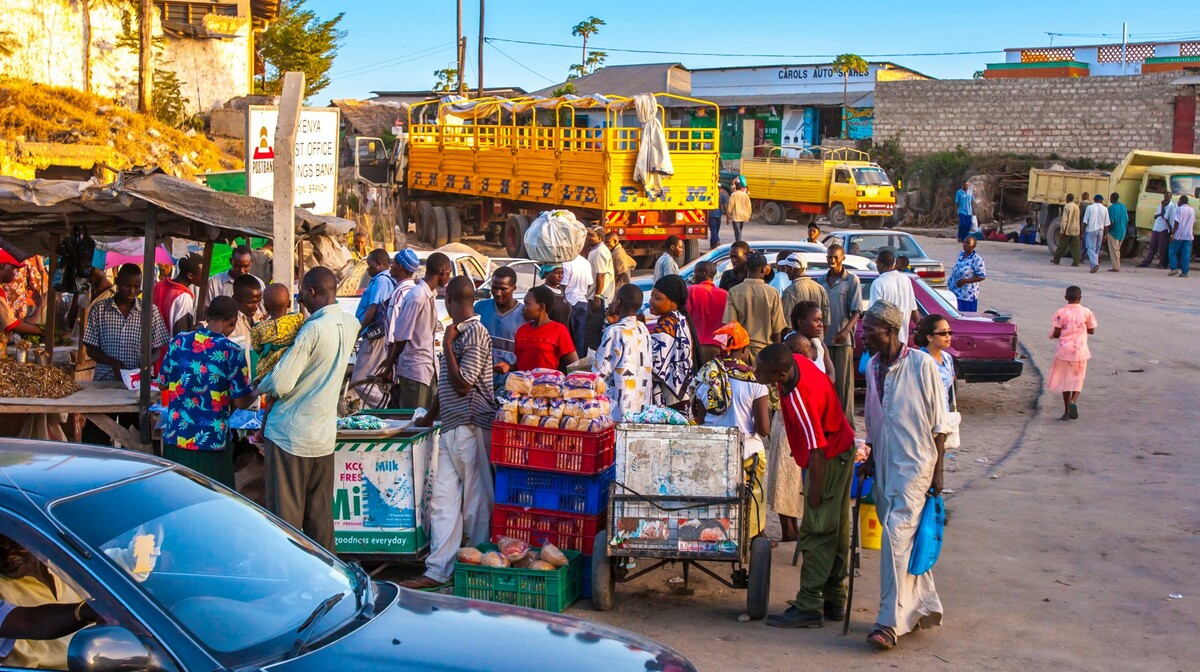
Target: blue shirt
(381,287)
(202,373)
(1118,216)
(501,327)
(945,369)
(307,381)
(965,202)
(967,266)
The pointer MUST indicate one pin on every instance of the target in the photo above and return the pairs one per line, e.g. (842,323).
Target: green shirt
(1119,217)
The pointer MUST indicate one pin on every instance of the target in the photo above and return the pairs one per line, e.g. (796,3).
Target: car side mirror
(107,648)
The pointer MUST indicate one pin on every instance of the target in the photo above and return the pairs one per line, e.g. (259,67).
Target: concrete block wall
(1102,118)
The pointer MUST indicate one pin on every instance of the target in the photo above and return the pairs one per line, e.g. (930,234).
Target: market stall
(96,401)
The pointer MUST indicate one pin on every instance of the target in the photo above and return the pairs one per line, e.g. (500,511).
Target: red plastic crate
(545,449)
(573,531)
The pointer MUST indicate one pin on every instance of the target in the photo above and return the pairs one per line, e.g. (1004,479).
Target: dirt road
(1065,539)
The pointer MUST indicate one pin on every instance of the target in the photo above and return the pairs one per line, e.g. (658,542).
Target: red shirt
(8,320)
(163,297)
(812,415)
(706,305)
(541,347)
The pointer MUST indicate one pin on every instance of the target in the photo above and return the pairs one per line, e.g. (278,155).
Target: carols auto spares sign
(316,156)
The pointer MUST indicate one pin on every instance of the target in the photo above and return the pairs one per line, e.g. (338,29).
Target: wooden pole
(145,362)
(202,296)
(284,195)
(460,50)
(51,301)
(145,55)
(480,59)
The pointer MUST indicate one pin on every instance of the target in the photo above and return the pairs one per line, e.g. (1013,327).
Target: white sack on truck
(653,159)
(555,237)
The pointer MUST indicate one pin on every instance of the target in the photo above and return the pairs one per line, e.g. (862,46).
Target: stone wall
(1101,118)
(50,49)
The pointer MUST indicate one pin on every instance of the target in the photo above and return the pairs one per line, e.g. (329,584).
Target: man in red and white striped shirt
(821,440)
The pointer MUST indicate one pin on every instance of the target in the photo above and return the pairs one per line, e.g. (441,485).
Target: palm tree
(844,65)
(586,29)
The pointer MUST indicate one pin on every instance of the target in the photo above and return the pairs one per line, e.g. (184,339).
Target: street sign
(316,156)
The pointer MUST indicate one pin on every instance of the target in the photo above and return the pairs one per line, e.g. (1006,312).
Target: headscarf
(675,289)
(547,269)
(886,313)
(407,259)
(731,337)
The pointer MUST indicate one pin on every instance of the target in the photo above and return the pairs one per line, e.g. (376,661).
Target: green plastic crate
(534,588)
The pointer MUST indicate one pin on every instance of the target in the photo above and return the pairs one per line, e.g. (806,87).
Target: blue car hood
(440,633)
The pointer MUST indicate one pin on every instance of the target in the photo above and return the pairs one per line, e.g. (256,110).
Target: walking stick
(855,558)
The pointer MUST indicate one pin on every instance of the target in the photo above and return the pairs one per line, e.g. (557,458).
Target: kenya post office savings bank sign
(316,154)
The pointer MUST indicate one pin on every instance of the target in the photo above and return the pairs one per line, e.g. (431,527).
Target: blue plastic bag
(928,543)
(862,363)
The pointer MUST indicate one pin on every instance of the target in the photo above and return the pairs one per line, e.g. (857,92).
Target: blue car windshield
(241,584)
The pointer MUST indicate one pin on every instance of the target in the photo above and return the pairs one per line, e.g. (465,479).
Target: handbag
(953,422)
(927,544)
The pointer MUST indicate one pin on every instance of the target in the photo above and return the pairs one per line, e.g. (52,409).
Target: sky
(398,44)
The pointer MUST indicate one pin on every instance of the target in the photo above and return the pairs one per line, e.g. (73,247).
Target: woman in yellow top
(38,611)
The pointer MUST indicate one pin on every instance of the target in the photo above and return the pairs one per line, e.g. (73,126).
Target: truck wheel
(424,217)
(454,225)
(802,218)
(773,213)
(439,228)
(758,591)
(837,215)
(691,250)
(601,578)
(1131,247)
(514,237)
(870,223)
(1052,234)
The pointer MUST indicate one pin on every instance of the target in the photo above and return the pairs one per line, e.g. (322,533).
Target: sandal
(1065,417)
(882,639)
(1074,412)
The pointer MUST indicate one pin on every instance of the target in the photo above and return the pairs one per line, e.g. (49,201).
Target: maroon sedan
(984,345)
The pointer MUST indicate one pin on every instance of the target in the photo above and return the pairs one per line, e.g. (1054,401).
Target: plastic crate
(554,492)
(557,450)
(568,531)
(534,588)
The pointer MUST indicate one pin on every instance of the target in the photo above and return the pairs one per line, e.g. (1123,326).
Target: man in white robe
(906,423)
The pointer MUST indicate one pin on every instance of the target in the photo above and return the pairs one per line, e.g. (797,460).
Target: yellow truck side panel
(1052,186)
(786,180)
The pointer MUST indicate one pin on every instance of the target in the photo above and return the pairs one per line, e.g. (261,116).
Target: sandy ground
(1065,540)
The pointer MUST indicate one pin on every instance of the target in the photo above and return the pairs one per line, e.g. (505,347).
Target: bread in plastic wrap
(542,565)
(518,382)
(552,555)
(493,559)
(469,555)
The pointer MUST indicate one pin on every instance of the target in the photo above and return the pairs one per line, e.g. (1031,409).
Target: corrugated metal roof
(371,118)
(630,80)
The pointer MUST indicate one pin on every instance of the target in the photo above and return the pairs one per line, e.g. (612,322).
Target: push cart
(679,496)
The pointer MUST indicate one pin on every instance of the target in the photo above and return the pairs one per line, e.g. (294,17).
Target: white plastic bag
(555,237)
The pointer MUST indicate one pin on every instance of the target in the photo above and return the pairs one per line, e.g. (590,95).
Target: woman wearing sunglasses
(933,335)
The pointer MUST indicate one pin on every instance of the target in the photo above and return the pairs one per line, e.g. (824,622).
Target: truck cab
(1158,180)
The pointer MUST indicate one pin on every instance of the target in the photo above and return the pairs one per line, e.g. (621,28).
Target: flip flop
(1074,412)
(882,639)
(1065,417)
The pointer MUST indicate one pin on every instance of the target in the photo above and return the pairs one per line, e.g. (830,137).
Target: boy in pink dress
(1072,325)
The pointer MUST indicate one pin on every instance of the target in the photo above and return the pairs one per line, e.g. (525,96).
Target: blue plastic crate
(553,492)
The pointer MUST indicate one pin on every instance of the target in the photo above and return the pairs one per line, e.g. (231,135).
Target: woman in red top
(541,343)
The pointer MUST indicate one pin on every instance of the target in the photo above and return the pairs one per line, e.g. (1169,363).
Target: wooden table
(95,402)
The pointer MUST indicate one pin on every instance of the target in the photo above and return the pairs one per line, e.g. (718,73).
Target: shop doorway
(829,124)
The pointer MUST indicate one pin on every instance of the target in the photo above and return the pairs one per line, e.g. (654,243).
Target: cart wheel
(602,578)
(758,593)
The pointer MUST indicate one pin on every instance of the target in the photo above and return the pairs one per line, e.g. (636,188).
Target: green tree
(299,41)
(586,29)
(445,77)
(564,90)
(844,65)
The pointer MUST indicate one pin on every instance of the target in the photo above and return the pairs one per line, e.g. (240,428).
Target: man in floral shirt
(204,378)
(969,270)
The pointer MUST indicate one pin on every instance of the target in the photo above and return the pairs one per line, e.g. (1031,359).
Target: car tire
(424,217)
(691,250)
(603,590)
(837,216)
(1052,233)
(773,213)
(758,590)
(455,225)
(440,228)
(514,237)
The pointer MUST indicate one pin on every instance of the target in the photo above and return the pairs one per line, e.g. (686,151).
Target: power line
(490,40)
(489,43)
(372,67)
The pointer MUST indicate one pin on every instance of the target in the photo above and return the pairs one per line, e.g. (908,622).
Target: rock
(153,132)
(191,133)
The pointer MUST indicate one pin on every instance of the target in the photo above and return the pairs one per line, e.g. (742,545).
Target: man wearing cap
(10,322)
(802,287)
(814,234)
(411,348)
(906,428)
(372,315)
(757,306)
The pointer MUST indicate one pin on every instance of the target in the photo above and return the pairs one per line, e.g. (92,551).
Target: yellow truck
(492,165)
(1141,179)
(842,184)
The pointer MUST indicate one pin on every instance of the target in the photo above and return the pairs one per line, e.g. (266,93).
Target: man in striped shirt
(821,440)
(462,488)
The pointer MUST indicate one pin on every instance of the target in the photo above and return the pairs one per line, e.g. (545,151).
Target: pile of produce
(33,381)
(544,398)
(515,553)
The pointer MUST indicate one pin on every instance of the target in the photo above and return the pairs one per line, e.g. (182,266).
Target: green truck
(1141,180)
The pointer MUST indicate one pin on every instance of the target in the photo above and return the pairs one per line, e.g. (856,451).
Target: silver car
(871,243)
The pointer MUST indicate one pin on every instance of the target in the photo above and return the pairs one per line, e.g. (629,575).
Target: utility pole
(460,45)
(284,193)
(1124,45)
(145,55)
(480,59)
